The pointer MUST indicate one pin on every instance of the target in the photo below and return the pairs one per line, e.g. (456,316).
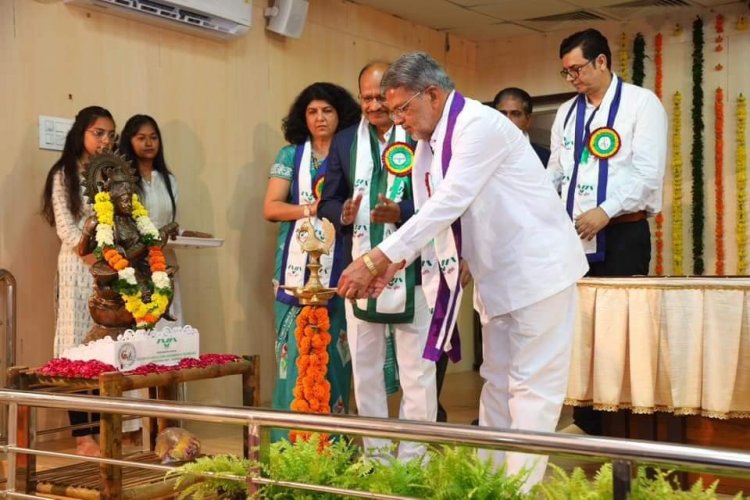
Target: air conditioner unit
(214,18)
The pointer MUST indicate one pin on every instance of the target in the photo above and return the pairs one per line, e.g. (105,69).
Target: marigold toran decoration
(658,81)
(624,57)
(719,160)
(639,55)
(146,314)
(741,179)
(719,30)
(696,153)
(677,237)
(312,391)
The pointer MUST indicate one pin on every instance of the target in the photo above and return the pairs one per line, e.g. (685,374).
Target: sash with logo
(396,303)
(441,257)
(306,189)
(587,185)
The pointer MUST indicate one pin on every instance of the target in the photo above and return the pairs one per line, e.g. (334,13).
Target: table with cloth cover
(679,345)
(666,359)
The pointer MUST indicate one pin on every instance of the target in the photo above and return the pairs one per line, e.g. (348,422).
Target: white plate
(190,242)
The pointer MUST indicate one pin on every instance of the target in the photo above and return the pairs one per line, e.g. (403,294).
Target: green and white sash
(396,303)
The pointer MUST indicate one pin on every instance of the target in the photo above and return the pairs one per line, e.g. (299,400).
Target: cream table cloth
(679,345)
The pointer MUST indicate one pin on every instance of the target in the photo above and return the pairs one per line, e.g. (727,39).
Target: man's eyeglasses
(574,71)
(369,99)
(100,134)
(400,111)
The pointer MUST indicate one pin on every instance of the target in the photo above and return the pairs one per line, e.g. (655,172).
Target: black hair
(591,42)
(131,128)
(68,163)
(514,93)
(294,124)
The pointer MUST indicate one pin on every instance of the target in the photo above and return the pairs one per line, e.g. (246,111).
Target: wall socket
(52,132)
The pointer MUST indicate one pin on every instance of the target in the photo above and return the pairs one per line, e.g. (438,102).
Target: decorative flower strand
(146,314)
(658,82)
(639,55)
(741,180)
(719,160)
(624,57)
(677,236)
(312,391)
(696,153)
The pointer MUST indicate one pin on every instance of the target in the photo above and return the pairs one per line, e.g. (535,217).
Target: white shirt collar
(443,122)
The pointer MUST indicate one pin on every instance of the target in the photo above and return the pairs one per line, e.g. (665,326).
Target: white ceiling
(490,19)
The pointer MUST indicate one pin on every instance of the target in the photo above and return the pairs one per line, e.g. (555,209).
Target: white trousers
(526,364)
(416,374)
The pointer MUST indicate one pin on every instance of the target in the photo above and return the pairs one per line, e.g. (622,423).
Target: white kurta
(518,241)
(74,284)
(636,172)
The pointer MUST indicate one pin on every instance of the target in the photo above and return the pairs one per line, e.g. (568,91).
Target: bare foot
(87,445)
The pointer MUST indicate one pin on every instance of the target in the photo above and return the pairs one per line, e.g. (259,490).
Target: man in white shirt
(366,202)
(609,149)
(482,195)
(516,104)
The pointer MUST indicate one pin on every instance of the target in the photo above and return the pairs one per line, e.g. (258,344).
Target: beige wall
(220,106)
(498,67)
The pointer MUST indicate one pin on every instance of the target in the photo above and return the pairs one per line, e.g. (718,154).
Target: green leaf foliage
(445,473)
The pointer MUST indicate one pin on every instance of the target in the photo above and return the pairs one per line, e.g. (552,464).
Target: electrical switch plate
(52,132)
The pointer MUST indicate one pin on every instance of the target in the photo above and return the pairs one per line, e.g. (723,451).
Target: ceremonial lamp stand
(312,392)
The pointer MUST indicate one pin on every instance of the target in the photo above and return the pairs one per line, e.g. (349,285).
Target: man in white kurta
(475,169)
(609,147)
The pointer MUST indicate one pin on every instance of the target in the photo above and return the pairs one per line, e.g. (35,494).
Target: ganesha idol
(132,282)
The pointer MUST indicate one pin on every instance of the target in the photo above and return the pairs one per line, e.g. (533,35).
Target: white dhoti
(417,375)
(526,364)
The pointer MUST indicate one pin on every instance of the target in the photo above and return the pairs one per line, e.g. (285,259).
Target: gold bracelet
(370,265)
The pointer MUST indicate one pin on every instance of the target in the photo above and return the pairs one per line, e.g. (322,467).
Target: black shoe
(442,415)
(475,421)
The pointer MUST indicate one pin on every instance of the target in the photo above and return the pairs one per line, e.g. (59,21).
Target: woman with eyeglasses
(294,186)
(65,208)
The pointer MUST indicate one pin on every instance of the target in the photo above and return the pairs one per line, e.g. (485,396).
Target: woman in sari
(294,185)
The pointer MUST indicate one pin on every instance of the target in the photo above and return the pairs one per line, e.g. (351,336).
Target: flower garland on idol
(658,82)
(312,392)
(696,153)
(719,173)
(146,314)
(677,237)
(741,180)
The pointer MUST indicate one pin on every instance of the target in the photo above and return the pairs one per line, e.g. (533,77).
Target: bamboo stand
(113,384)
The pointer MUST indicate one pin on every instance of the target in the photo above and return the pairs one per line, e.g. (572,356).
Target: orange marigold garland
(659,79)
(719,160)
(312,393)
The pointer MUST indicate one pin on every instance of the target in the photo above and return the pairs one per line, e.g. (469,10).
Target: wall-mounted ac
(214,18)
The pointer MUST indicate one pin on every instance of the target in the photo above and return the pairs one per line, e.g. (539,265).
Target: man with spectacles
(516,104)
(367,194)
(481,196)
(609,150)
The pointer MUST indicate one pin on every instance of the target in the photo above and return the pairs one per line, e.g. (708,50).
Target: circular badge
(604,143)
(398,159)
(126,355)
(318,187)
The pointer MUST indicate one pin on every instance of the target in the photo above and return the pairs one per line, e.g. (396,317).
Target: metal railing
(9,332)
(623,453)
